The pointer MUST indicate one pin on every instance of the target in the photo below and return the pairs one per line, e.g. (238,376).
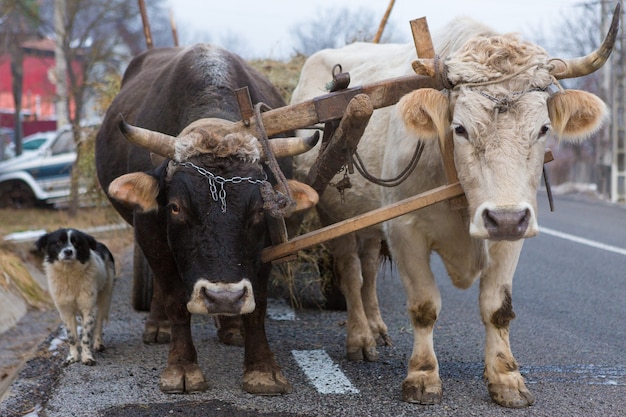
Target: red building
(38,92)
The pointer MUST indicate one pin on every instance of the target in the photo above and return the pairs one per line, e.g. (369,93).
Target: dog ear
(42,242)
(92,242)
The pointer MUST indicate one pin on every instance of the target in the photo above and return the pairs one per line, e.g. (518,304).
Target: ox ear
(575,114)
(425,112)
(304,195)
(136,189)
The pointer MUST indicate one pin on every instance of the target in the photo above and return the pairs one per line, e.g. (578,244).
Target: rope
(281,203)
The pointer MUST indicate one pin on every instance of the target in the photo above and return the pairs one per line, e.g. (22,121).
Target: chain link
(216,181)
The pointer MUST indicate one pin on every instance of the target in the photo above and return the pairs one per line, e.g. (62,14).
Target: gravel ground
(35,380)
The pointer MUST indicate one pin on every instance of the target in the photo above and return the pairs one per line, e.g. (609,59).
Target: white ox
(500,104)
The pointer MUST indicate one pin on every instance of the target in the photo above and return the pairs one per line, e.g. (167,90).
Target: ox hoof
(230,337)
(182,379)
(230,330)
(360,354)
(384,339)
(510,397)
(266,383)
(98,347)
(418,392)
(157,333)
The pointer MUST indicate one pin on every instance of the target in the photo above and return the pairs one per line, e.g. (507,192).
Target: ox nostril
(490,219)
(506,224)
(224,302)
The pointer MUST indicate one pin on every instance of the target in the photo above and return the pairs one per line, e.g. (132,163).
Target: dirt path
(19,344)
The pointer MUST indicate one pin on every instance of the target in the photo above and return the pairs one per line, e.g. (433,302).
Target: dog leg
(69,321)
(89,319)
(102,315)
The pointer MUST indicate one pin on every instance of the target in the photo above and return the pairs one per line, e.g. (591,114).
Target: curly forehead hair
(486,58)
(204,141)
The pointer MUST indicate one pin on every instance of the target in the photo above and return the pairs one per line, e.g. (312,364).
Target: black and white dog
(80,273)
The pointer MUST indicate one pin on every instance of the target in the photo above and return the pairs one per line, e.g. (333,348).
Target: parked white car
(30,143)
(41,176)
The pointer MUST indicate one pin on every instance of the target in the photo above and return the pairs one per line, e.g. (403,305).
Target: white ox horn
(577,67)
(165,145)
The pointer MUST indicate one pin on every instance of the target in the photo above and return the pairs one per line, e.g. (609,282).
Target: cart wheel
(142,281)
(16,194)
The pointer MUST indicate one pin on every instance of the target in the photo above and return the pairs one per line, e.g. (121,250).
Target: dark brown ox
(200,216)
(500,102)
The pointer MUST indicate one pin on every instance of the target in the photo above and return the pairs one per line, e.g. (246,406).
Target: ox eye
(460,130)
(544,130)
(174,208)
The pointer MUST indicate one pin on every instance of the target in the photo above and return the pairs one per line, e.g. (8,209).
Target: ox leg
(505,383)
(230,330)
(262,375)
(182,374)
(157,326)
(422,384)
(370,262)
(360,342)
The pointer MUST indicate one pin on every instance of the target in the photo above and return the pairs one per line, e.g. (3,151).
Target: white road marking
(278,309)
(323,373)
(583,241)
(577,374)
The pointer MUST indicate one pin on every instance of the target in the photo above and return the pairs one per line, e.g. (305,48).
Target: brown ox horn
(284,147)
(158,143)
(577,67)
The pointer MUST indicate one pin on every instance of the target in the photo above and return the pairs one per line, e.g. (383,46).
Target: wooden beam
(297,116)
(421,38)
(362,221)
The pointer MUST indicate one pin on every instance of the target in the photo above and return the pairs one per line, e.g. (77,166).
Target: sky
(266,26)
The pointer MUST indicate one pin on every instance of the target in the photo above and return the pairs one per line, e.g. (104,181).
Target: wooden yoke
(425,50)
(345,139)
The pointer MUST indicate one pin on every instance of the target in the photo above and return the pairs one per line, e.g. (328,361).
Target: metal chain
(216,181)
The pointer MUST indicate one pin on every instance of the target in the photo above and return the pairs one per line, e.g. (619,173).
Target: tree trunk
(17,81)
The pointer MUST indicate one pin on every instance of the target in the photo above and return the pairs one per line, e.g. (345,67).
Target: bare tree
(93,32)
(333,28)
(18,23)
(579,33)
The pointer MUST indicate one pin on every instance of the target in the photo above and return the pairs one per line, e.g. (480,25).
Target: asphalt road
(569,338)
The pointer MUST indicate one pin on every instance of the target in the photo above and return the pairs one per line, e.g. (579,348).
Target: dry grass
(283,75)
(16,278)
(21,220)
